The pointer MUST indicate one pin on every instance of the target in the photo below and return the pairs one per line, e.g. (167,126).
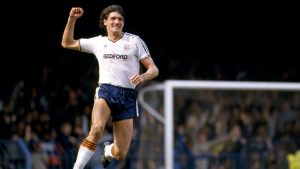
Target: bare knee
(118,154)
(96,132)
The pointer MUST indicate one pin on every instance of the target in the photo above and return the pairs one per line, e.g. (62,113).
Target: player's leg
(100,116)
(122,138)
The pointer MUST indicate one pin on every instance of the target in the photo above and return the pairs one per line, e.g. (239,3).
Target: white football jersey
(119,60)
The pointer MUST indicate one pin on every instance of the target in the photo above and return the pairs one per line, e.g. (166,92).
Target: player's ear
(104,22)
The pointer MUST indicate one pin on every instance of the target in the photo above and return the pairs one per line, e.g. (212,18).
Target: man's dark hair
(106,11)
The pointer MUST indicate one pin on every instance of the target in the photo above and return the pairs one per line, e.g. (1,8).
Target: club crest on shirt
(126,47)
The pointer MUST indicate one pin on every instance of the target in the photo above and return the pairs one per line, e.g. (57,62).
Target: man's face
(114,23)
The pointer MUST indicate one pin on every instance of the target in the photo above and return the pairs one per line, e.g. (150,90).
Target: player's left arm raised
(151,73)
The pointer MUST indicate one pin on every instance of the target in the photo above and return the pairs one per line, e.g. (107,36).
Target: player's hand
(76,12)
(137,79)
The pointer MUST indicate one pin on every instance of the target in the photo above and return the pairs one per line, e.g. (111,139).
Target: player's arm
(151,72)
(68,40)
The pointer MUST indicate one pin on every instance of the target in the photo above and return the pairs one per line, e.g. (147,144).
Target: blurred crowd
(217,129)
(261,127)
(48,117)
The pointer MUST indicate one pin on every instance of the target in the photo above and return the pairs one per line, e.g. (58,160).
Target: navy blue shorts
(121,101)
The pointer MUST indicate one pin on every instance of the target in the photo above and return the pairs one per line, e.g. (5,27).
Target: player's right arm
(68,40)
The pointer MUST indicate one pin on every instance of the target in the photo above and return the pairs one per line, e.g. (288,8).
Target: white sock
(107,152)
(84,155)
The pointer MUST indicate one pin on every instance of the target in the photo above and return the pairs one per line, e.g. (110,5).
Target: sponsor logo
(114,56)
(126,47)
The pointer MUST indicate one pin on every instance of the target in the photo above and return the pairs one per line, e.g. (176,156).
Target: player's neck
(115,36)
